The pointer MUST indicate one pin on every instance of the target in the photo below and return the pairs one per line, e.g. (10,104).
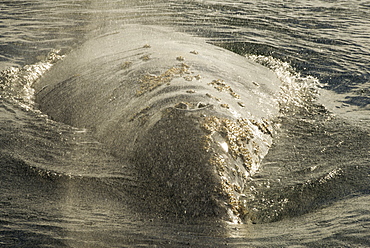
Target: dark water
(61,188)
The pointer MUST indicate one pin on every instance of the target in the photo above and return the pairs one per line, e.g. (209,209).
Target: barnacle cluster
(221,86)
(237,133)
(150,82)
(243,138)
(230,190)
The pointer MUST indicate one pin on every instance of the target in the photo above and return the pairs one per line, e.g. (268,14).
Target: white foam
(296,91)
(16,83)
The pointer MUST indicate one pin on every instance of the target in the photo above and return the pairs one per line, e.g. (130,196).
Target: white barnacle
(224,146)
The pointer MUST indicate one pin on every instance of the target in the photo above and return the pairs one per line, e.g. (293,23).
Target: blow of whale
(193,119)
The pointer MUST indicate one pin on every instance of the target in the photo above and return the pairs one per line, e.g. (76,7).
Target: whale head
(193,119)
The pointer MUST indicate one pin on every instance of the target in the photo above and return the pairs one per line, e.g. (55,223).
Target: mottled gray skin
(146,92)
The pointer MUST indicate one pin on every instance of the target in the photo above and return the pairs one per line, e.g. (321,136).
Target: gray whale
(193,119)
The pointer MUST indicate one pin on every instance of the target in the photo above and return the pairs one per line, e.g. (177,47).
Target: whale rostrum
(193,119)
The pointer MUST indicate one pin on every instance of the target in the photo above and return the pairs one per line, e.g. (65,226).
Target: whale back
(194,118)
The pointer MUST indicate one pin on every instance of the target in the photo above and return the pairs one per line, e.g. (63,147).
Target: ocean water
(62,188)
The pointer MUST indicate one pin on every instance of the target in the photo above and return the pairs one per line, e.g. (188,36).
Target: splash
(16,83)
(297,91)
